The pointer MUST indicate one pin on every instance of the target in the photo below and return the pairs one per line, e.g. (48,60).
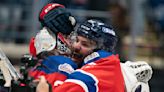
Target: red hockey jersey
(101,73)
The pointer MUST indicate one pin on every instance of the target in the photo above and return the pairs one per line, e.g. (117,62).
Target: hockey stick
(6,74)
(6,63)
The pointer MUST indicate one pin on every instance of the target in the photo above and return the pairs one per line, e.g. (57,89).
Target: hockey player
(102,37)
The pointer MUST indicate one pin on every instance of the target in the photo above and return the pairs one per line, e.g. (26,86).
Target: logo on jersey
(91,57)
(66,68)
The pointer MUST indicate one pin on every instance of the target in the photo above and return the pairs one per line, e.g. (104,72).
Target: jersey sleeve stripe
(88,79)
(92,76)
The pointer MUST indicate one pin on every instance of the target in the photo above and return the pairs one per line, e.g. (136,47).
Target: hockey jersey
(100,73)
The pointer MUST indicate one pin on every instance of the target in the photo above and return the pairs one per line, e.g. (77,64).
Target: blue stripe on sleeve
(87,78)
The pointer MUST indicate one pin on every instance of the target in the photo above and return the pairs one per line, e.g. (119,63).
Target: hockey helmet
(98,31)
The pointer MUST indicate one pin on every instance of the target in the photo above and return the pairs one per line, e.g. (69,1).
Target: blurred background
(138,23)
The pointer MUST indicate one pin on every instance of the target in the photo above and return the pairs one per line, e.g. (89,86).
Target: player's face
(81,48)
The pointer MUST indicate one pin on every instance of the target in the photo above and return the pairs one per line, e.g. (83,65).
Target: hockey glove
(142,70)
(57,19)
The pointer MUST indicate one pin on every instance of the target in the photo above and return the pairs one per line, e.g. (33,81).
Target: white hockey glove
(141,69)
(136,76)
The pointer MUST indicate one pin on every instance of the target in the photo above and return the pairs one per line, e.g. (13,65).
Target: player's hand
(43,86)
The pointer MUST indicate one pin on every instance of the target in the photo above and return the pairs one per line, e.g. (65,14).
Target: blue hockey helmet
(102,34)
